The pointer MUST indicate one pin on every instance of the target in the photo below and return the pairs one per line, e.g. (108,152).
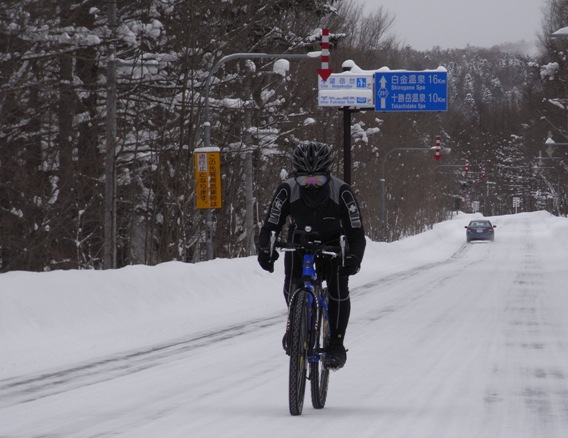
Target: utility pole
(109,242)
(249,198)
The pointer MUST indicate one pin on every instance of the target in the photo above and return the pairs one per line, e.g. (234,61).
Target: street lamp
(215,68)
(560,33)
(207,115)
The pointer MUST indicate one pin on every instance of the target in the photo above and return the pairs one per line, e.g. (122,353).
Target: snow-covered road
(446,339)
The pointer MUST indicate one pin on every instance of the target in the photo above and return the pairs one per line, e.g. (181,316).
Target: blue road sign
(411,91)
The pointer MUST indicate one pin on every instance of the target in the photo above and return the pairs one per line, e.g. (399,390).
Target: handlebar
(313,247)
(309,246)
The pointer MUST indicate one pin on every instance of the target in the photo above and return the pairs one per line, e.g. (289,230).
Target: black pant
(337,286)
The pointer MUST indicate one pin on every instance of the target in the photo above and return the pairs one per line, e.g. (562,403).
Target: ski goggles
(314,180)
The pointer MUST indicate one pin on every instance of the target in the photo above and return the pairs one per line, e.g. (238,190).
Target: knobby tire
(319,374)
(298,352)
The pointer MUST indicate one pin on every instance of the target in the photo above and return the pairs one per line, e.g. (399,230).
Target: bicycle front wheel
(298,351)
(319,374)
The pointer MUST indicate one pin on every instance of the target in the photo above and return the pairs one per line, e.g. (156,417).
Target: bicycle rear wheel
(319,374)
(298,351)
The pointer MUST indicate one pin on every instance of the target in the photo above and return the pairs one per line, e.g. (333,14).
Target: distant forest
(102,109)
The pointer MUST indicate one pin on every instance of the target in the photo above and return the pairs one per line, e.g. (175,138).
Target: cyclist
(313,197)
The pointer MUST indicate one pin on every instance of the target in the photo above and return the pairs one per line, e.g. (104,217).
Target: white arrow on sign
(383,92)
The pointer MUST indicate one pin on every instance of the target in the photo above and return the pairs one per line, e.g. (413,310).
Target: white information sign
(347,89)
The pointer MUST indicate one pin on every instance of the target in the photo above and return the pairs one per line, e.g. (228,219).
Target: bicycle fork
(313,352)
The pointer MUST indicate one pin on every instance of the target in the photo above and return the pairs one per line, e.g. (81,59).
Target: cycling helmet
(312,157)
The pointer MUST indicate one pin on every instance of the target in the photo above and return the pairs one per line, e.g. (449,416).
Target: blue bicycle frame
(309,275)
(310,279)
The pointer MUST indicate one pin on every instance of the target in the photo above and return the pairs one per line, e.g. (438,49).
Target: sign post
(383,90)
(516,203)
(349,92)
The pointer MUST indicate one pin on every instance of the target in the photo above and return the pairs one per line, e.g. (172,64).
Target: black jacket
(331,210)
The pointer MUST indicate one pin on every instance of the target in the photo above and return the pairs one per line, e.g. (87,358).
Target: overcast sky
(456,23)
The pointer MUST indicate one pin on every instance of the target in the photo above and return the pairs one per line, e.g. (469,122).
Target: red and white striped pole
(325,71)
(437,150)
(325,48)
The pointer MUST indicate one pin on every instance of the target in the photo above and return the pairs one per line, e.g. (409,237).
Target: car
(480,230)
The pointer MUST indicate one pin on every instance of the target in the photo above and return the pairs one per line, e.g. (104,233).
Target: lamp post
(207,122)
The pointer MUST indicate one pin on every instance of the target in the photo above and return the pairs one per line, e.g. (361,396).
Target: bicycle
(308,322)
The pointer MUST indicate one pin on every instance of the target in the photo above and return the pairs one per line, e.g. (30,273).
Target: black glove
(351,266)
(266,261)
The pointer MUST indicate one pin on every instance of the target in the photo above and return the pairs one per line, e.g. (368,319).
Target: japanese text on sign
(208,179)
(411,91)
(345,89)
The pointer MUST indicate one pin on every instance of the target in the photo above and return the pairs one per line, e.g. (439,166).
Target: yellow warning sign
(208,178)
